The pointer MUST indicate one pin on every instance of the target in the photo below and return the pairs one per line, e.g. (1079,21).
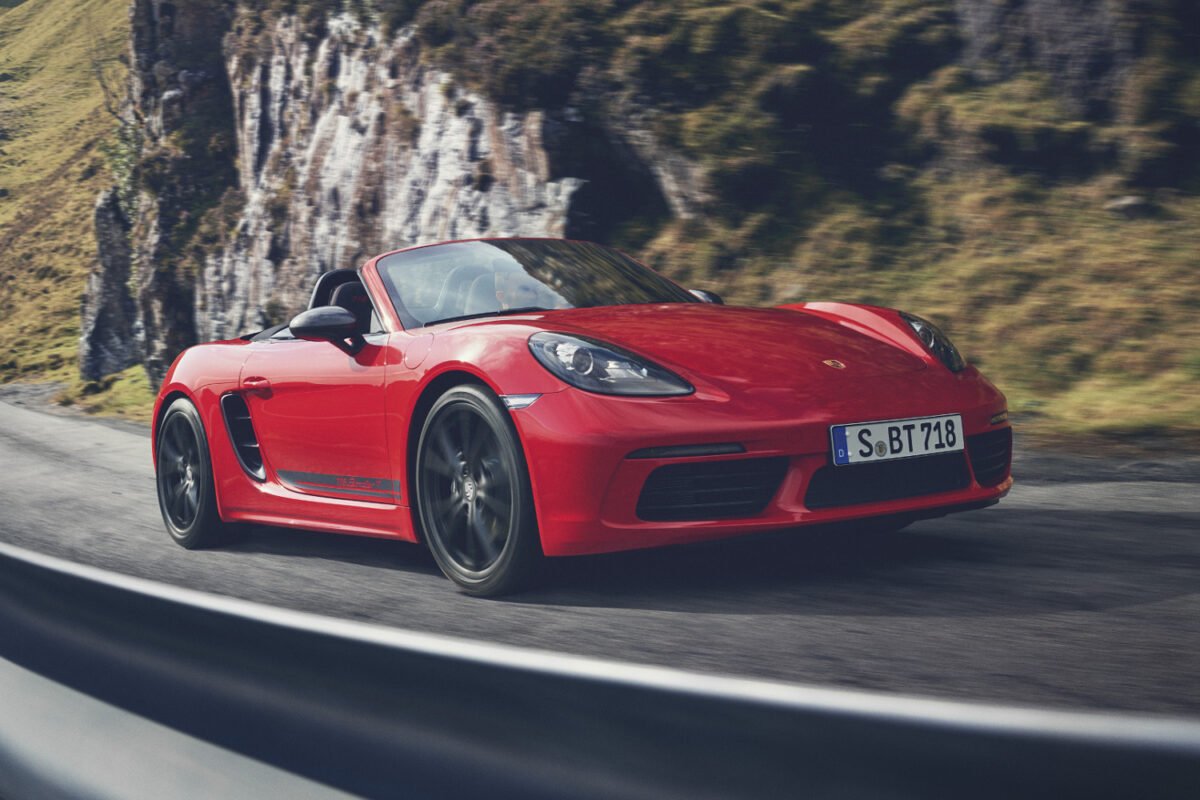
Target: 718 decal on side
(898,438)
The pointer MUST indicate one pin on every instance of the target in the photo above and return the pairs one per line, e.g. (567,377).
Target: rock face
(1083,45)
(353,146)
(297,150)
(109,342)
(178,102)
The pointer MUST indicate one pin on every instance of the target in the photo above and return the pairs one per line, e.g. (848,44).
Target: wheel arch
(167,400)
(515,564)
(434,389)
(169,396)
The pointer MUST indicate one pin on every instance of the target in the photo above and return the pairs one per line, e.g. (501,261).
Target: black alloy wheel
(186,495)
(474,501)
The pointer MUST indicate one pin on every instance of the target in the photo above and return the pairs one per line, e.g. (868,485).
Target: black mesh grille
(241,433)
(711,490)
(991,454)
(888,480)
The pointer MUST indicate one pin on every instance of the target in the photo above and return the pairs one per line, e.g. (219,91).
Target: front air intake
(711,489)
(858,484)
(241,434)
(991,454)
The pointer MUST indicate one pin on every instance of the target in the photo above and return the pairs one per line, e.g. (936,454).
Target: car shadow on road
(360,550)
(986,563)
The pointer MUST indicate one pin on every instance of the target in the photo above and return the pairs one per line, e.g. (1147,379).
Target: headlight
(603,368)
(937,342)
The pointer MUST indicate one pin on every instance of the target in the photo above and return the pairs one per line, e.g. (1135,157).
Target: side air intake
(241,433)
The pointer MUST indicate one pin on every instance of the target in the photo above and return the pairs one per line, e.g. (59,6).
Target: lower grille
(991,453)
(711,490)
(855,484)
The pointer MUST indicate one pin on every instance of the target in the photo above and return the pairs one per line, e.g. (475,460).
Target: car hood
(739,348)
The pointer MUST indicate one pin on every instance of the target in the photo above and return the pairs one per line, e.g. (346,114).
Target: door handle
(256,385)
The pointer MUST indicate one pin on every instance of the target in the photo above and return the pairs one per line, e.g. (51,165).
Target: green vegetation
(1087,321)
(126,394)
(852,156)
(850,153)
(52,166)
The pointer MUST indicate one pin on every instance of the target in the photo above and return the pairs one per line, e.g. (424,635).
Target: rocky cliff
(178,162)
(345,143)
(1085,47)
(349,146)
(994,163)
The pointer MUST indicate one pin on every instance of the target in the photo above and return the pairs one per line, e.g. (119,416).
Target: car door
(318,413)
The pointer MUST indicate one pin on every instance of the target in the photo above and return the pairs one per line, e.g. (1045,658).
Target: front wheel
(473,494)
(184,476)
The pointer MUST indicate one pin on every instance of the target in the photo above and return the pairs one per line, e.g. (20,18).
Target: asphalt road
(1079,590)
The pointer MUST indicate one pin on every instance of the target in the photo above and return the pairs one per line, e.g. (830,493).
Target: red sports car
(504,400)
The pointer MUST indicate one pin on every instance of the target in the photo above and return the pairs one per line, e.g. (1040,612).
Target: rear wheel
(473,494)
(186,495)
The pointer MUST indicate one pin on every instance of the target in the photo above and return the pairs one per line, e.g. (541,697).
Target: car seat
(353,297)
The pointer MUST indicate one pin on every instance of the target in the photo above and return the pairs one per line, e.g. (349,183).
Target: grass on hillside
(126,394)
(852,158)
(52,127)
(910,185)
(1089,321)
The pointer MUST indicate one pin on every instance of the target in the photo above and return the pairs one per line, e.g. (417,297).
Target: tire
(186,496)
(473,496)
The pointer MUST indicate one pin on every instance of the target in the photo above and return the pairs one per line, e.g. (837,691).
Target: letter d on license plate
(897,438)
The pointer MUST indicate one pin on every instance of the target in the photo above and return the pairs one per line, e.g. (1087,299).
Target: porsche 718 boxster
(506,400)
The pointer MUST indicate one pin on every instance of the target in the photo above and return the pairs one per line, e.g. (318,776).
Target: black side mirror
(707,296)
(332,324)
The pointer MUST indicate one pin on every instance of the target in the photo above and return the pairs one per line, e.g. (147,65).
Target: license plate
(896,438)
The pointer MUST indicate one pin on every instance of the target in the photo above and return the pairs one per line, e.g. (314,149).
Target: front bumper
(587,487)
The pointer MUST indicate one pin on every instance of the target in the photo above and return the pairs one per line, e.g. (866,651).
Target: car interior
(353,297)
(339,287)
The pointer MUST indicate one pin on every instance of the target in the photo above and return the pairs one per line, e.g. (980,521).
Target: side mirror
(332,324)
(707,296)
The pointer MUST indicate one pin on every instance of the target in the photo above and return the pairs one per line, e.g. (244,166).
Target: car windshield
(498,276)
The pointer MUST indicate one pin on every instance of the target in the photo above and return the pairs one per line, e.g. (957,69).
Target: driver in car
(516,290)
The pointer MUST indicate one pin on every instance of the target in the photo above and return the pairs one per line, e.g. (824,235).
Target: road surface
(1081,589)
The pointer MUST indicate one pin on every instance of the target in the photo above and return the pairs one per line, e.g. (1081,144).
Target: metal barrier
(56,742)
(387,713)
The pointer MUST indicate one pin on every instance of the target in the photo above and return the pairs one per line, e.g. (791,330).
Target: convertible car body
(508,399)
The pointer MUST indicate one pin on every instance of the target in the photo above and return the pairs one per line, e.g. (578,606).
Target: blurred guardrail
(386,713)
